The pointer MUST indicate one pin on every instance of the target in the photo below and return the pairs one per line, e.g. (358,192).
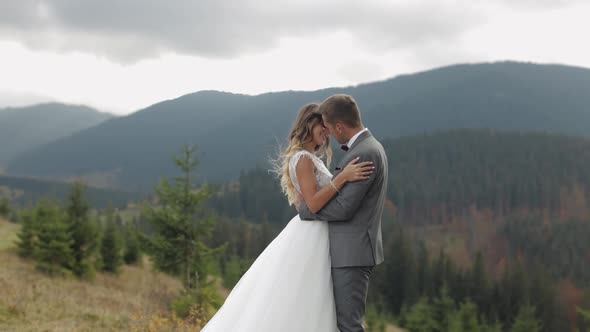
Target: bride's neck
(309,147)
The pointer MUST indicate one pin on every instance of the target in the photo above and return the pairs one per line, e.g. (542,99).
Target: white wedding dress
(289,286)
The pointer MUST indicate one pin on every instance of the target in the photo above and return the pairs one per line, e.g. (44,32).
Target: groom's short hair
(341,108)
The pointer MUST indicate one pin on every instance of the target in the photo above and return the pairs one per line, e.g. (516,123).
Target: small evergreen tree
(54,254)
(5,208)
(132,251)
(478,284)
(375,321)
(28,236)
(420,318)
(495,327)
(177,245)
(233,272)
(585,315)
(465,319)
(111,248)
(83,231)
(443,309)
(526,321)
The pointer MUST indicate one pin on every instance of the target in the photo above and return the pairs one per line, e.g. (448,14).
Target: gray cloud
(127,31)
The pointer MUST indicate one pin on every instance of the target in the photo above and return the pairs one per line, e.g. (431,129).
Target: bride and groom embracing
(314,276)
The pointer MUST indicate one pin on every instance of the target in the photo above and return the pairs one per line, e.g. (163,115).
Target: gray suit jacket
(354,215)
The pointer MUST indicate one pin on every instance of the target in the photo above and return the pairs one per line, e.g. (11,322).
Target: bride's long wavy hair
(301,131)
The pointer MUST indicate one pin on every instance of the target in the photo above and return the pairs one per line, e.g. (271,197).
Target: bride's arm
(315,198)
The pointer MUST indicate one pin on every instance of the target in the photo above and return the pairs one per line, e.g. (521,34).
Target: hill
(24,128)
(236,132)
(445,176)
(24,191)
(32,301)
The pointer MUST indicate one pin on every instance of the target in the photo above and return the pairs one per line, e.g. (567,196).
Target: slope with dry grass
(7,233)
(32,301)
(135,300)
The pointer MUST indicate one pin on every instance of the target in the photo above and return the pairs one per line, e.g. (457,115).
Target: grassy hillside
(7,234)
(32,301)
(135,300)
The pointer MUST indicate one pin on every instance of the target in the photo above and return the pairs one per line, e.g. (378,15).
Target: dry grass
(7,233)
(135,300)
(32,301)
(392,328)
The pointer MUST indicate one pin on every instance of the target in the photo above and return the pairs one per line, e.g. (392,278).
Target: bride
(289,286)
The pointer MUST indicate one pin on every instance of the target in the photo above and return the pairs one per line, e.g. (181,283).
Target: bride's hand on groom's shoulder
(357,171)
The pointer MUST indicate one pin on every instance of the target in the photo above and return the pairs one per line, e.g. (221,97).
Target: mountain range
(24,128)
(235,132)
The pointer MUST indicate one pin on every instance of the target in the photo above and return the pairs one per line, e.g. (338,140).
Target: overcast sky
(123,55)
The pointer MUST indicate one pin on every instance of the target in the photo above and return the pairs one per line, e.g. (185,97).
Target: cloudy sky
(123,55)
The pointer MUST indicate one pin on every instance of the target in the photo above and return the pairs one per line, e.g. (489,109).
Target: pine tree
(111,248)
(440,276)
(423,277)
(585,315)
(233,272)
(420,318)
(526,321)
(443,309)
(177,245)
(512,293)
(478,287)
(28,236)
(495,327)
(84,232)
(4,207)
(543,298)
(375,321)
(54,255)
(465,319)
(400,271)
(132,252)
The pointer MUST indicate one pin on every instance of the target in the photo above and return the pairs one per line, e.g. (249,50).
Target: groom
(354,214)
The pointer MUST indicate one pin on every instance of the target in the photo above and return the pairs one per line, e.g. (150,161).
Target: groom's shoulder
(373,144)
(371,149)
(375,148)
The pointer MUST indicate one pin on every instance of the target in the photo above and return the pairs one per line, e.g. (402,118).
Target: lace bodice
(322,174)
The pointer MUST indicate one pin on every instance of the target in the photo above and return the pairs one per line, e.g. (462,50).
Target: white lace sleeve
(321,172)
(293,165)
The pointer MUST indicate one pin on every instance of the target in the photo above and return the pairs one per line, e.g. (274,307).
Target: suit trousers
(350,294)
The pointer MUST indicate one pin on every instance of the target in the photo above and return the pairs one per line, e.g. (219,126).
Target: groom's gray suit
(354,217)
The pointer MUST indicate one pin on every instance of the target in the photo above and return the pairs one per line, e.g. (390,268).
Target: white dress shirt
(353,138)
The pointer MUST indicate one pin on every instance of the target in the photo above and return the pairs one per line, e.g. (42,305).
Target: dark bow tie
(344,147)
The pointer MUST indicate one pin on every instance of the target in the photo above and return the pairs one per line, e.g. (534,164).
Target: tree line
(185,234)
(437,177)
(65,240)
